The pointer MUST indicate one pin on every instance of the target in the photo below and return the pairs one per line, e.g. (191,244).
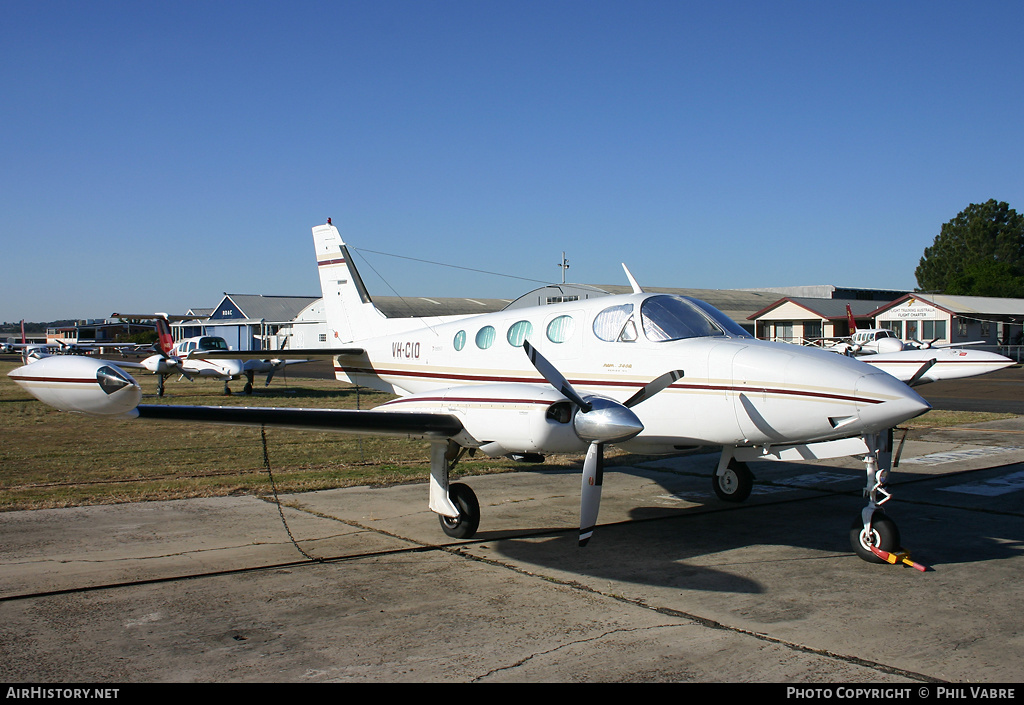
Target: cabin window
(519,332)
(212,344)
(485,337)
(561,329)
(460,340)
(615,323)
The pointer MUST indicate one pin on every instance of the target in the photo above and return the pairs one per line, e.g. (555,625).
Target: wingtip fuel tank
(80,384)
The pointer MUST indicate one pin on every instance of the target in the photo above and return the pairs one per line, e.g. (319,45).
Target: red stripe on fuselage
(64,380)
(595,383)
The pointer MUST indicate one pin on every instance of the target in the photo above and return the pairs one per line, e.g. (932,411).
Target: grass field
(52,459)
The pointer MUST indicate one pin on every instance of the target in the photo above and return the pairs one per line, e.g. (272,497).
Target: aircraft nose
(883,401)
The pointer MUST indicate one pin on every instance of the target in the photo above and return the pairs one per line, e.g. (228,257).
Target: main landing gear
(463,526)
(732,481)
(456,505)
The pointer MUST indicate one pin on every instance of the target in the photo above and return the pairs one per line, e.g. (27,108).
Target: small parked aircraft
(916,362)
(190,357)
(651,373)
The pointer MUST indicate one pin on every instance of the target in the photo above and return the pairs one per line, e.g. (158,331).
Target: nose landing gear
(873,535)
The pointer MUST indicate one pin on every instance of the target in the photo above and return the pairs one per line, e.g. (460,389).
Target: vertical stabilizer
(163,334)
(350,312)
(850,320)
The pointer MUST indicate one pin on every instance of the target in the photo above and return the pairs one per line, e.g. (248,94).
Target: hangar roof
(420,306)
(964,305)
(829,309)
(257,307)
(737,304)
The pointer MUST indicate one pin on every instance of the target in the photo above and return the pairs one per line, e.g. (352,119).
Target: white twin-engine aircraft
(650,373)
(915,362)
(192,357)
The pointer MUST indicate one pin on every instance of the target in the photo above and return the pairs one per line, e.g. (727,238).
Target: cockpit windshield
(210,343)
(676,317)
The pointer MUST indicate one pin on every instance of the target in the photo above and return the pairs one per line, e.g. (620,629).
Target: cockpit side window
(675,318)
(730,326)
(615,323)
(212,344)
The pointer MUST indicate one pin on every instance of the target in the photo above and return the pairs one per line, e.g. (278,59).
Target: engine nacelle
(82,384)
(503,418)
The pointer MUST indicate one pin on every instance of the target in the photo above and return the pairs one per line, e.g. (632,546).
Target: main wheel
(735,484)
(466,524)
(884,535)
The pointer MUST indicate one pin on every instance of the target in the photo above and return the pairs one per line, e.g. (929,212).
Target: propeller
(916,379)
(599,420)
(276,365)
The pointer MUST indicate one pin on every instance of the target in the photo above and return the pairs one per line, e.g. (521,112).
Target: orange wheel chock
(901,557)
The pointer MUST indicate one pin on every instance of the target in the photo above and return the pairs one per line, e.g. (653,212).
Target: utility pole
(564,265)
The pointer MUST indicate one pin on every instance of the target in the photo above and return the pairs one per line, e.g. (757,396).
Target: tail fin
(350,312)
(849,320)
(163,331)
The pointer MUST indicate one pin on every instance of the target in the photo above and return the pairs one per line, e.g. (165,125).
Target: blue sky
(158,154)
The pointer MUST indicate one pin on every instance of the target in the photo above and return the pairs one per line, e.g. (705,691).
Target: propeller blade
(590,494)
(554,377)
(653,387)
(916,379)
(899,449)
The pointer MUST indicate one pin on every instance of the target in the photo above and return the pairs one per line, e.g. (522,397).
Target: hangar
(260,322)
(997,322)
(244,321)
(800,315)
(803,320)
(954,319)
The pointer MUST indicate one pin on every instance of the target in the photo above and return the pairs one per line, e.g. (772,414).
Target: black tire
(468,521)
(884,535)
(735,485)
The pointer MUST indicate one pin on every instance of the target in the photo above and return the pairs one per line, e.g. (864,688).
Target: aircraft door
(757,374)
(718,417)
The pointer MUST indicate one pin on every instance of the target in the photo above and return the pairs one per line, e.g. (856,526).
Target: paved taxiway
(675,585)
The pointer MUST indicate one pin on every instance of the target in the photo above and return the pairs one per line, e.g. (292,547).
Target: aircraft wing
(415,424)
(297,354)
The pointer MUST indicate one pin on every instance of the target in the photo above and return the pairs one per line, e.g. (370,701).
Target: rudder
(351,314)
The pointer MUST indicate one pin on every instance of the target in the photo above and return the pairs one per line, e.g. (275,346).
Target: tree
(987,278)
(980,250)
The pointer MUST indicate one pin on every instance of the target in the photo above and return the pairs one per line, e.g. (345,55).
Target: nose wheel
(874,536)
(881,533)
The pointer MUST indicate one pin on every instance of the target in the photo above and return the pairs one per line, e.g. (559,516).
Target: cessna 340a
(651,373)
(193,357)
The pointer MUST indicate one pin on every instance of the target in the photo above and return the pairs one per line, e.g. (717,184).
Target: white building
(953,319)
